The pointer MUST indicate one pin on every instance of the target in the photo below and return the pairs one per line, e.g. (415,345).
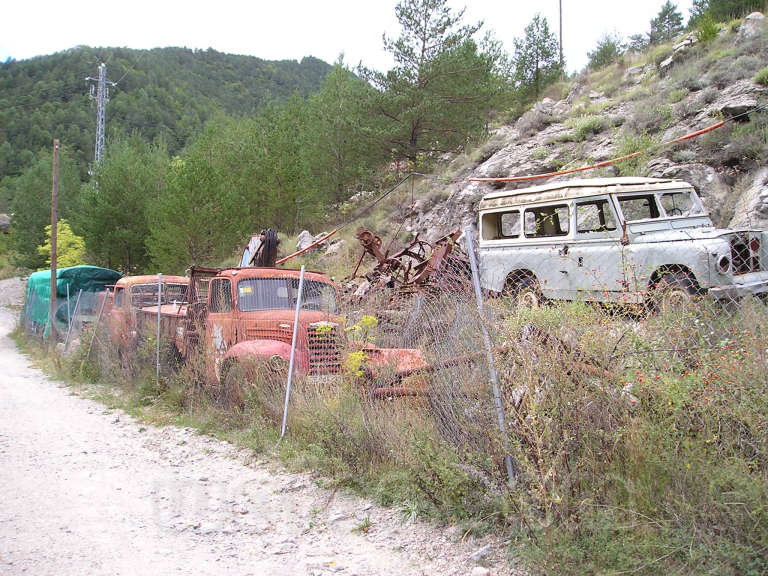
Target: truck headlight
(723,264)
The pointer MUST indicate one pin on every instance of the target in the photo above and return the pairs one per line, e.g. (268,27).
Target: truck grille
(743,259)
(279,334)
(324,343)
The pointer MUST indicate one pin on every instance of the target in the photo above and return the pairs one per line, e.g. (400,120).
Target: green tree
(70,248)
(342,155)
(536,59)
(608,50)
(443,85)
(202,216)
(667,24)
(637,43)
(724,10)
(31,192)
(114,206)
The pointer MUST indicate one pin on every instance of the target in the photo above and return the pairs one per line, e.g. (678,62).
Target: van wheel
(526,293)
(674,291)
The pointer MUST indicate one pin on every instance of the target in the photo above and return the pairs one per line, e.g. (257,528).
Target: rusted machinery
(420,265)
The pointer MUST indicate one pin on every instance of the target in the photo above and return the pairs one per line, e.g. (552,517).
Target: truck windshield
(280,294)
(681,203)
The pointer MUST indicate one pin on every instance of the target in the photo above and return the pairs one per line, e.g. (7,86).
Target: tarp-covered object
(85,278)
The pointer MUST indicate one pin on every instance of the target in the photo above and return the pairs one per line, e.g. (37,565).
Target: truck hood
(690,234)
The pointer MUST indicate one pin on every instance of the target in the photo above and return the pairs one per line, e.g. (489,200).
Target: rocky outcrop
(5,223)
(752,207)
(752,26)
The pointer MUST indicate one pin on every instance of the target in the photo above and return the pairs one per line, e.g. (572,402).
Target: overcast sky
(289,29)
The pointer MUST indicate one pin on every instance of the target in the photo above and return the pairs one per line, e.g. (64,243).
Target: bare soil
(88,490)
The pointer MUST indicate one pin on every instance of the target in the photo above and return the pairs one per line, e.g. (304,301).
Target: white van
(628,240)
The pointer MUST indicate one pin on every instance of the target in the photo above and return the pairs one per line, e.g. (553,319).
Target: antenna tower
(99,91)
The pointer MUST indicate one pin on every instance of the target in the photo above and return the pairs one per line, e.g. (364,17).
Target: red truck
(241,318)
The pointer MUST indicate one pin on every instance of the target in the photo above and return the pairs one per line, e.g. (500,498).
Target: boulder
(334,248)
(751,210)
(751,27)
(5,223)
(304,240)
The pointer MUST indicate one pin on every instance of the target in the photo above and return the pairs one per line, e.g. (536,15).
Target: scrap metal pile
(420,266)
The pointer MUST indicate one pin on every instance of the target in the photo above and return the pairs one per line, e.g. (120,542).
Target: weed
(676,96)
(761,77)
(629,144)
(363,527)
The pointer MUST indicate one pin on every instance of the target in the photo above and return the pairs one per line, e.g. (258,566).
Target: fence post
(489,352)
(293,352)
(74,315)
(95,328)
(159,303)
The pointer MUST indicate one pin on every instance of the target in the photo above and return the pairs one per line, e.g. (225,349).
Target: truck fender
(253,349)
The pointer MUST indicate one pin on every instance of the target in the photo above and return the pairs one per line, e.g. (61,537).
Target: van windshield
(280,294)
(681,203)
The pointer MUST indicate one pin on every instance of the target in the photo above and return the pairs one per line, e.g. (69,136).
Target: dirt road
(86,490)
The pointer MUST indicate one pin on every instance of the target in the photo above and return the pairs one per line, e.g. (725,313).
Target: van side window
(221,296)
(639,207)
(498,225)
(544,221)
(119,293)
(594,216)
(509,224)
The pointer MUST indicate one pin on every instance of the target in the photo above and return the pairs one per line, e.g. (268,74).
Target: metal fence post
(159,303)
(293,352)
(95,328)
(489,352)
(74,315)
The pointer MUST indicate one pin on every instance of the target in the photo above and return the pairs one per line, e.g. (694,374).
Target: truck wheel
(674,291)
(233,389)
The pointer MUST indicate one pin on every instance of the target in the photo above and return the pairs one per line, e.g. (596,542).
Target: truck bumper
(753,283)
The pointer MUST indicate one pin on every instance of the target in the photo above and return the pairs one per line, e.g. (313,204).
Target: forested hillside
(166,93)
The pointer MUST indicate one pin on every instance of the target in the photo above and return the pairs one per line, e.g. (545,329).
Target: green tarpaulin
(85,278)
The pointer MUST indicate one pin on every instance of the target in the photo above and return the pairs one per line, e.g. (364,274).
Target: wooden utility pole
(54,218)
(562,68)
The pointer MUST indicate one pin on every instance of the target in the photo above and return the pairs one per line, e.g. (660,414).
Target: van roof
(565,189)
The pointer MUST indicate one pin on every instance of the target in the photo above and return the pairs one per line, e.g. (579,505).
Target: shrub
(533,122)
(761,77)
(651,117)
(585,126)
(629,144)
(676,96)
(706,29)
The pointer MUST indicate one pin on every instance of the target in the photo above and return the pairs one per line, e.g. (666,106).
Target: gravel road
(87,490)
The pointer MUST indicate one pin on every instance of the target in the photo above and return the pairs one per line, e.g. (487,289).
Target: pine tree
(667,24)
(443,84)
(536,60)
(608,50)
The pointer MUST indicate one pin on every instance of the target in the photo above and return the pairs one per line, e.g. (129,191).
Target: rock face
(5,223)
(752,208)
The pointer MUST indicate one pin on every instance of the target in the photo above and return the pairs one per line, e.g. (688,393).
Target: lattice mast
(99,91)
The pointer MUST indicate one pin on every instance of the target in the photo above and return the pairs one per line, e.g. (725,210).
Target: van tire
(673,291)
(525,292)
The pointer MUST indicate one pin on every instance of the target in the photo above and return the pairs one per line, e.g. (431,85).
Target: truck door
(221,322)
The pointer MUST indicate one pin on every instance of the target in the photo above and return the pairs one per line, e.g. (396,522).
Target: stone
(362,290)
(304,240)
(480,553)
(5,223)
(751,27)
(480,571)
(334,248)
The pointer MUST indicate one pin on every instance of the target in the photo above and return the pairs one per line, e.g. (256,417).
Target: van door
(595,265)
